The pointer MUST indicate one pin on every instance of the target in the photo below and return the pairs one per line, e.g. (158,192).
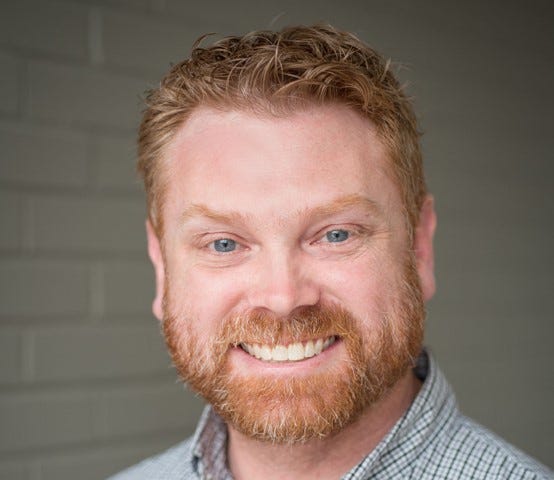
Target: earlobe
(155,254)
(423,247)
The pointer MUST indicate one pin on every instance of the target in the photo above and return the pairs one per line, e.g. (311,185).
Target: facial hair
(294,409)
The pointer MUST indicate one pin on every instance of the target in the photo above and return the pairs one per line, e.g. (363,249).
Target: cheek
(362,286)
(206,296)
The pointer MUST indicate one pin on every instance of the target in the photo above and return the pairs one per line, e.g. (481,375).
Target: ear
(423,247)
(155,254)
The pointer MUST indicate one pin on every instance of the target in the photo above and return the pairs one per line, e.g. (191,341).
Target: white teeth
(292,353)
(309,349)
(318,347)
(296,351)
(280,353)
(255,350)
(265,353)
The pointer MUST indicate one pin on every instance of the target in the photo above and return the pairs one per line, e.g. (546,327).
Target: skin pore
(271,226)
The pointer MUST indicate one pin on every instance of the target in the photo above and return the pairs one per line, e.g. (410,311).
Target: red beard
(294,409)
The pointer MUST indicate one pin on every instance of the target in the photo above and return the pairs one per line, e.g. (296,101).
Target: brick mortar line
(139,442)
(51,130)
(155,9)
(28,226)
(75,127)
(111,7)
(97,300)
(81,322)
(27,356)
(108,386)
(32,55)
(91,191)
(24,94)
(76,255)
(95,36)
(45,128)
(148,75)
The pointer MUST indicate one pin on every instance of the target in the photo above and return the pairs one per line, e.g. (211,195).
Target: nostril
(282,284)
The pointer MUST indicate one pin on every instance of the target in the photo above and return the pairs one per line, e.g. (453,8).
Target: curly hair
(275,73)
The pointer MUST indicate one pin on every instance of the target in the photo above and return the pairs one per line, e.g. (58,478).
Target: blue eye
(336,236)
(224,245)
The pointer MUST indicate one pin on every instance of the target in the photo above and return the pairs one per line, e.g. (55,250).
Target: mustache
(305,323)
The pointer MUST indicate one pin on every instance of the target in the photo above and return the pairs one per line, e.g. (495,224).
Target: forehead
(236,158)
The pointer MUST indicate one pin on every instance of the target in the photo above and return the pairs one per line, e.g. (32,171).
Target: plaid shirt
(432,440)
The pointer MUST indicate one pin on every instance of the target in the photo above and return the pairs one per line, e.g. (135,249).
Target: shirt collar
(432,410)
(209,447)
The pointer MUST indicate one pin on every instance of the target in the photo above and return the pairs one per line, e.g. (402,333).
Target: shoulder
(468,450)
(174,463)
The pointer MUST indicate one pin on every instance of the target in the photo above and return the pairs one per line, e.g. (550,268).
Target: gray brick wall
(85,384)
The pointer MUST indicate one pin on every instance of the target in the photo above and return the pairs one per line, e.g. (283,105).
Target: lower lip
(239,355)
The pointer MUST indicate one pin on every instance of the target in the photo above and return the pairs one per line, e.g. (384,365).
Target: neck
(327,458)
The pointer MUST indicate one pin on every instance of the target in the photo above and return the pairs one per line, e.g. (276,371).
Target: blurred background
(86,387)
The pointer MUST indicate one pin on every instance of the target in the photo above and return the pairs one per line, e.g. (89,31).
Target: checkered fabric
(432,440)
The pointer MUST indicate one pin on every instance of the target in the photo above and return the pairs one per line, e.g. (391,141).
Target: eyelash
(352,233)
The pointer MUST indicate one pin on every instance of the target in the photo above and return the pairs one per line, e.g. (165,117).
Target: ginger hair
(275,73)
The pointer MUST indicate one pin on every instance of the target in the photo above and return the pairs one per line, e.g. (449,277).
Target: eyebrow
(346,202)
(199,210)
(334,207)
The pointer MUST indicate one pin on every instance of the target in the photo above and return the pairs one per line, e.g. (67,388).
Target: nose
(282,283)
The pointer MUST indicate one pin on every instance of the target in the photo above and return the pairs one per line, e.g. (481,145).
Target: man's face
(288,289)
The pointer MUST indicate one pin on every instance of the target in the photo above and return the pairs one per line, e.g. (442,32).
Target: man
(291,235)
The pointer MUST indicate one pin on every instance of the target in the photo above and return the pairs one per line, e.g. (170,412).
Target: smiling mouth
(293,352)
